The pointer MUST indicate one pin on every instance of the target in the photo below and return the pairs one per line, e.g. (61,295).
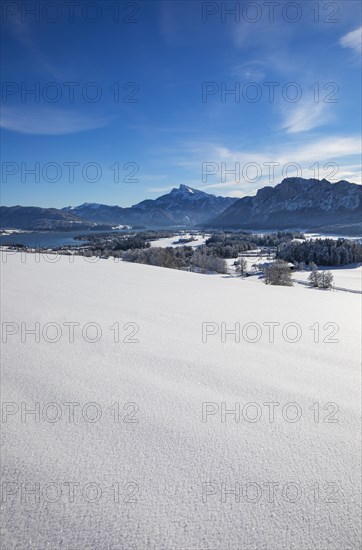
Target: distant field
(163,243)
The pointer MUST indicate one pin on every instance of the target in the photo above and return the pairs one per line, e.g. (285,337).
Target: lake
(50,238)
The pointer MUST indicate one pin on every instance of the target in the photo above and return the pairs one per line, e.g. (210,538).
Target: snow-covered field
(185,475)
(347,277)
(166,242)
(314,236)
(343,277)
(252,260)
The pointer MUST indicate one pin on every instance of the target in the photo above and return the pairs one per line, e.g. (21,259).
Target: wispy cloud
(276,56)
(353,40)
(320,150)
(164,189)
(48,121)
(302,117)
(162,129)
(25,35)
(334,158)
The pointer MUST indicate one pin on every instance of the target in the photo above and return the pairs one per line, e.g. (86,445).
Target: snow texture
(171,454)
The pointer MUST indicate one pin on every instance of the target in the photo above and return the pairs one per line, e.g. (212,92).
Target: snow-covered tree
(240,266)
(278,273)
(314,276)
(325,279)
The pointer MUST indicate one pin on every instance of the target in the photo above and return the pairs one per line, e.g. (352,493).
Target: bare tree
(240,266)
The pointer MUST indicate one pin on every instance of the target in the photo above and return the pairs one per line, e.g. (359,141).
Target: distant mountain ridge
(183,206)
(295,203)
(40,219)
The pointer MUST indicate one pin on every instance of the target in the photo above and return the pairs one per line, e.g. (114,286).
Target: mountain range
(181,207)
(35,218)
(294,203)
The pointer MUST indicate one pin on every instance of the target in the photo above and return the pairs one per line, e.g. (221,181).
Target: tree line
(229,245)
(322,252)
(182,257)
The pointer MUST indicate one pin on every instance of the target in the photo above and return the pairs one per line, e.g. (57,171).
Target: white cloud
(302,117)
(47,121)
(234,194)
(334,158)
(322,150)
(353,40)
(165,189)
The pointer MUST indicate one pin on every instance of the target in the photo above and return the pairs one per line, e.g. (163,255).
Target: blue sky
(150,108)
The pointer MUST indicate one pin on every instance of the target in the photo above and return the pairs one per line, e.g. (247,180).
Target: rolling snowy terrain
(176,471)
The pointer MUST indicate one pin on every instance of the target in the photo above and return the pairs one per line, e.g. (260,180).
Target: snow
(255,258)
(170,453)
(348,277)
(11,231)
(314,236)
(169,242)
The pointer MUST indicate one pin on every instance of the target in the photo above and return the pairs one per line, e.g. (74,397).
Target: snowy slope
(343,277)
(174,457)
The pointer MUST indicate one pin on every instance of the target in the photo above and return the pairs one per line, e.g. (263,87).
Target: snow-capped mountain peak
(182,205)
(185,189)
(94,205)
